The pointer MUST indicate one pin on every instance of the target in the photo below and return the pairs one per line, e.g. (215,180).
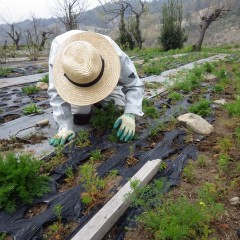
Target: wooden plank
(106,217)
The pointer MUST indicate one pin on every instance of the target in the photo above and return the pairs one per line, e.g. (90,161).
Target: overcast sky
(17,10)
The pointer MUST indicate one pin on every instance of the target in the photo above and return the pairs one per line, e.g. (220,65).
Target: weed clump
(201,108)
(233,108)
(30,89)
(31,108)
(45,78)
(20,180)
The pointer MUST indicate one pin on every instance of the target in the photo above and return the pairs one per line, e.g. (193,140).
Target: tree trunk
(204,27)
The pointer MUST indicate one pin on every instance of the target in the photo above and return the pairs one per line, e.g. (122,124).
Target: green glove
(126,130)
(62,137)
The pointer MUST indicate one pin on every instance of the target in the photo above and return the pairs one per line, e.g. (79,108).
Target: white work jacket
(131,85)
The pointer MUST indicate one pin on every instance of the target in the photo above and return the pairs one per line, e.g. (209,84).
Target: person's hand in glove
(126,125)
(64,135)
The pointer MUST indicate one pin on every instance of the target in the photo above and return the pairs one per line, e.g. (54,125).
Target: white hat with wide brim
(86,69)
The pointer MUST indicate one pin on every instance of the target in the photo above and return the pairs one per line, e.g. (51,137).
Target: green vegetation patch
(20,180)
(149,109)
(31,108)
(30,89)
(201,108)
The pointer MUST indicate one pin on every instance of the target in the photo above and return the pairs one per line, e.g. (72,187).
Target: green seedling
(201,108)
(225,145)
(92,183)
(155,131)
(218,88)
(189,173)
(233,108)
(96,155)
(113,173)
(163,166)
(112,137)
(223,162)
(208,67)
(20,180)
(149,109)
(153,85)
(45,78)
(31,108)
(30,89)
(70,176)
(82,139)
(175,96)
(202,161)
(57,230)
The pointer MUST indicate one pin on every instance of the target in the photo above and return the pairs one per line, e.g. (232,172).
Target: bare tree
(36,35)
(116,9)
(14,32)
(69,12)
(217,9)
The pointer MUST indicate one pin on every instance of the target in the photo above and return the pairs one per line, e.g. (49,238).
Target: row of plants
(199,206)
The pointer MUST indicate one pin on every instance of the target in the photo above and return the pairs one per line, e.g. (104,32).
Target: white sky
(17,10)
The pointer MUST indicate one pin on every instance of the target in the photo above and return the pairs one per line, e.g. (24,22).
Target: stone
(196,123)
(42,85)
(220,101)
(234,201)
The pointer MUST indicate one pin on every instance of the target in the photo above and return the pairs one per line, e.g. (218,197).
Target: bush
(20,180)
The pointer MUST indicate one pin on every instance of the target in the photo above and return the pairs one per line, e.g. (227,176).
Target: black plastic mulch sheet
(22,228)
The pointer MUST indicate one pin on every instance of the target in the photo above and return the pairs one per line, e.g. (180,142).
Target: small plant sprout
(149,109)
(70,176)
(223,162)
(189,173)
(58,211)
(32,108)
(30,89)
(92,184)
(225,145)
(163,166)
(175,96)
(44,79)
(202,161)
(96,155)
(113,172)
(82,139)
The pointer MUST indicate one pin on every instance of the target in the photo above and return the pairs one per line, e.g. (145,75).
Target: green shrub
(106,116)
(223,162)
(31,108)
(201,108)
(96,155)
(20,180)
(30,89)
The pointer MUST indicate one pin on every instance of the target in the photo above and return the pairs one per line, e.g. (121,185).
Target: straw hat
(86,69)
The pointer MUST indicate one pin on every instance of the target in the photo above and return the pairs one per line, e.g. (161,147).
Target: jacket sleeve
(132,86)
(61,109)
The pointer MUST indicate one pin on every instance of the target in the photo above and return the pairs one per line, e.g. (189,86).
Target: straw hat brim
(82,96)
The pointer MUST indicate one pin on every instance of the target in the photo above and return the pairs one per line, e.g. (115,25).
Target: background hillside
(224,31)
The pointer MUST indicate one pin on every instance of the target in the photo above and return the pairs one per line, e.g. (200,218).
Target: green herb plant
(189,173)
(45,78)
(149,109)
(31,108)
(20,180)
(82,139)
(201,108)
(31,89)
(57,230)
(4,72)
(95,155)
